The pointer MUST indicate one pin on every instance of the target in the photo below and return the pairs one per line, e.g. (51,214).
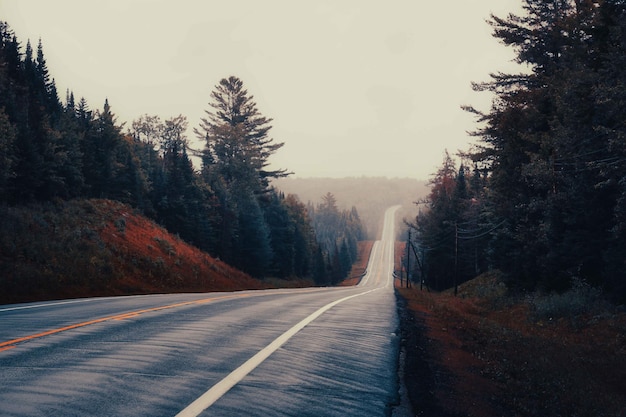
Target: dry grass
(99,247)
(152,260)
(491,354)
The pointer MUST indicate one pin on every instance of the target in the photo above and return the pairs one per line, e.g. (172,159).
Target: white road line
(50,304)
(218,390)
(373,257)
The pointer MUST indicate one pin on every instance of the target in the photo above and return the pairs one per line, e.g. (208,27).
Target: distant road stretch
(291,352)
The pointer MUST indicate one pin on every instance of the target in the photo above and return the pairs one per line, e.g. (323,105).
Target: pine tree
(321,273)
(7,153)
(234,166)
(282,234)
(305,244)
(45,84)
(9,65)
(100,148)
(253,251)
(83,114)
(71,137)
(41,157)
(236,136)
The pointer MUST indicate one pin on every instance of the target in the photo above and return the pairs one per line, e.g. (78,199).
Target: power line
(484,233)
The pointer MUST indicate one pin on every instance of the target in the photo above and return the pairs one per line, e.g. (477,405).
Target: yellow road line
(10,344)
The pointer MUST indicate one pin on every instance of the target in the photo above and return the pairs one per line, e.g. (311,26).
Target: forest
(372,195)
(54,151)
(541,197)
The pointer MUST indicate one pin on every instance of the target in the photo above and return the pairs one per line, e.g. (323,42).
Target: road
(289,352)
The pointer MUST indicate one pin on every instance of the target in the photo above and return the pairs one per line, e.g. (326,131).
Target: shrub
(580,299)
(165,246)
(120,225)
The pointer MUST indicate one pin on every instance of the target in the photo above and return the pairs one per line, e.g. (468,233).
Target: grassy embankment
(490,353)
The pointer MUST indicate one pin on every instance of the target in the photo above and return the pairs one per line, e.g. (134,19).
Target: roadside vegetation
(487,352)
(521,238)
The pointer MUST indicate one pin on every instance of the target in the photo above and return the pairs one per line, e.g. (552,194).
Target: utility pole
(456,256)
(420,264)
(408,260)
(422,271)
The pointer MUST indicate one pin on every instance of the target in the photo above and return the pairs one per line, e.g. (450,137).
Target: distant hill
(85,248)
(370,195)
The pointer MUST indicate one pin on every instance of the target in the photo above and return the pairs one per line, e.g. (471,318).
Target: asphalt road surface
(296,352)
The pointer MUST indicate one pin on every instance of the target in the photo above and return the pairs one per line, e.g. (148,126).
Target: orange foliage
(152,260)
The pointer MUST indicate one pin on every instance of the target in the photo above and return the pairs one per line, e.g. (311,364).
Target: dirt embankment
(486,353)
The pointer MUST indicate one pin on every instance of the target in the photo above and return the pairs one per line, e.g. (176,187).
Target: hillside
(84,248)
(370,195)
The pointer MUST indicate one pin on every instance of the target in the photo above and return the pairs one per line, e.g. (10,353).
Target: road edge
(416,370)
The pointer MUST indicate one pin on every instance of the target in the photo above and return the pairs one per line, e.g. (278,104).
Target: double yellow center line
(10,344)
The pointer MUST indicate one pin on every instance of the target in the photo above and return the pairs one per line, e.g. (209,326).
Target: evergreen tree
(99,150)
(253,251)
(41,157)
(282,235)
(346,259)
(44,84)
(236,136)
(305,245)
(71,138)
(336,270)
(7,153)
(83,114)
(9,69)
(234,166)
(552,145)
(321,274)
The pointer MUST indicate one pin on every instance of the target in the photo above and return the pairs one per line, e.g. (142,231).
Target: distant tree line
(52,150)
(543,196)
(372,195)
(338,233)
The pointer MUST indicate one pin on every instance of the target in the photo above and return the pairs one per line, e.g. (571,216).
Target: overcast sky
(355,88)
